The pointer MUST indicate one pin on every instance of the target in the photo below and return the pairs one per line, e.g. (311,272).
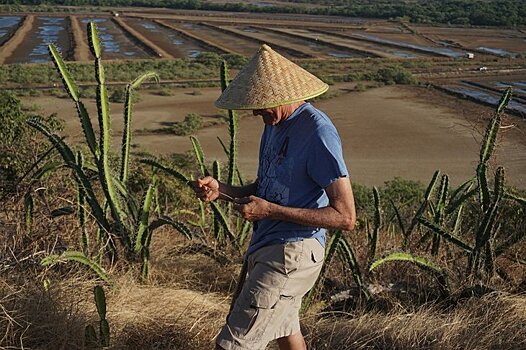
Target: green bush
(165,92)
(394,75)
(191,123)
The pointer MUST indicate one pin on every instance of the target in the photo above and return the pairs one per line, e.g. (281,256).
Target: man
(302,188)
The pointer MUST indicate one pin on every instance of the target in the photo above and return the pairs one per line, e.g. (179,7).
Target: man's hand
(253,208)
(206,189)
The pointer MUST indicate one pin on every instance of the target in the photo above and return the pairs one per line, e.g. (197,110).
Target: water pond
(115,44)
(7,23)
(497,52)
(487,97)
(429,49)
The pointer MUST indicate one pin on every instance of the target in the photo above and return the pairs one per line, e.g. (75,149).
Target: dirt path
(81,52)
(18,38)
(386,132)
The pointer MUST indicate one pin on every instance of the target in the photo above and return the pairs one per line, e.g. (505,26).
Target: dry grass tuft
(496,321)
(147,317)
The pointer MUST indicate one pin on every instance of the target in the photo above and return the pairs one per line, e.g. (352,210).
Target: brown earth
(81,51)
(17,39)
(386,132)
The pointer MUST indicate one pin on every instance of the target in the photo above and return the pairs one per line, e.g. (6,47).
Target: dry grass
(496,321)
(140,316)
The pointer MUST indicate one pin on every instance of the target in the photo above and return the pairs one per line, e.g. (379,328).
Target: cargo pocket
(250,317)
(317,253)
(292,255)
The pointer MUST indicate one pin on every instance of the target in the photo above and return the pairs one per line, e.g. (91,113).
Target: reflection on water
(193,53)
(403,54)
(107,40)
(340,55)
(155,28)
(486,97)
(437,50)
(151,27)
(113,41)
(48,32)
(497,52)
(6,23)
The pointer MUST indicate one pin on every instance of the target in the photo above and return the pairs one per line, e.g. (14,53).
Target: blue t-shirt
(298,159)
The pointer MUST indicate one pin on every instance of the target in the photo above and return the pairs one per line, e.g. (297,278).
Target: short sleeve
(325,162)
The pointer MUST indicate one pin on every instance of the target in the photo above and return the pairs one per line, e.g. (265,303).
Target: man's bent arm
(339,214)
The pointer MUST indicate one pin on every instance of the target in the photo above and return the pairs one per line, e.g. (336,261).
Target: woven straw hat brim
(270,80)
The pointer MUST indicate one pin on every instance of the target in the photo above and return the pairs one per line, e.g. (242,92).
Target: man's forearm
(327,217)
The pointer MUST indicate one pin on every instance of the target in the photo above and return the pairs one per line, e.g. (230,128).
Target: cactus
(420,262)
(117,212)
(373,238)
(232,128)
(439,211)
(422,207)
(126,134)
(79,257)
(90,334)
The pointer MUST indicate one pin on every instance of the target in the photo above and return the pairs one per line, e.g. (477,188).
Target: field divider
(9,47)
(351,48)
(207,44)
(80,45)
(140,39)
(289,50)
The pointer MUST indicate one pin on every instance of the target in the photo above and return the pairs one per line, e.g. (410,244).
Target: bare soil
(9,47)
(386,132)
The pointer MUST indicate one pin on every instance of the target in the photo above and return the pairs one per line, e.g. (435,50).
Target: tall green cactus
(104,327)
(232,128)
(488,146)
(373,237)
(125,220)
(126,134)
(440,208)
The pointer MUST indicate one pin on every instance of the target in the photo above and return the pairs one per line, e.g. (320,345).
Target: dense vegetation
(474,12)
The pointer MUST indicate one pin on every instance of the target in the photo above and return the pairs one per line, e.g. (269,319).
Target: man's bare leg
(292,342)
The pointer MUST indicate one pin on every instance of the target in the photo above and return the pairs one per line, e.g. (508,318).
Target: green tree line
(466,12)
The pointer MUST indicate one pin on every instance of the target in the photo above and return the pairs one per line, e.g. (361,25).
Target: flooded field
(241,45)
(420,48)
(294,45)
(188,34)
(169,40)
(361,48)
(490,93)
(46,30)
(499,43)
(115,43)
(7,25)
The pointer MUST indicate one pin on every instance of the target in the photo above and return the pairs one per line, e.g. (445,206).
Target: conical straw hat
(270,80)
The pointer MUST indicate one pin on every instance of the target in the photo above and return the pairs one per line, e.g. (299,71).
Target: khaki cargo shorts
(268,306)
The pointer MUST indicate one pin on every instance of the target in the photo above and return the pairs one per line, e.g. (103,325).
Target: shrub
(18,145)
(165,92)
(394,75)
(189,125)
